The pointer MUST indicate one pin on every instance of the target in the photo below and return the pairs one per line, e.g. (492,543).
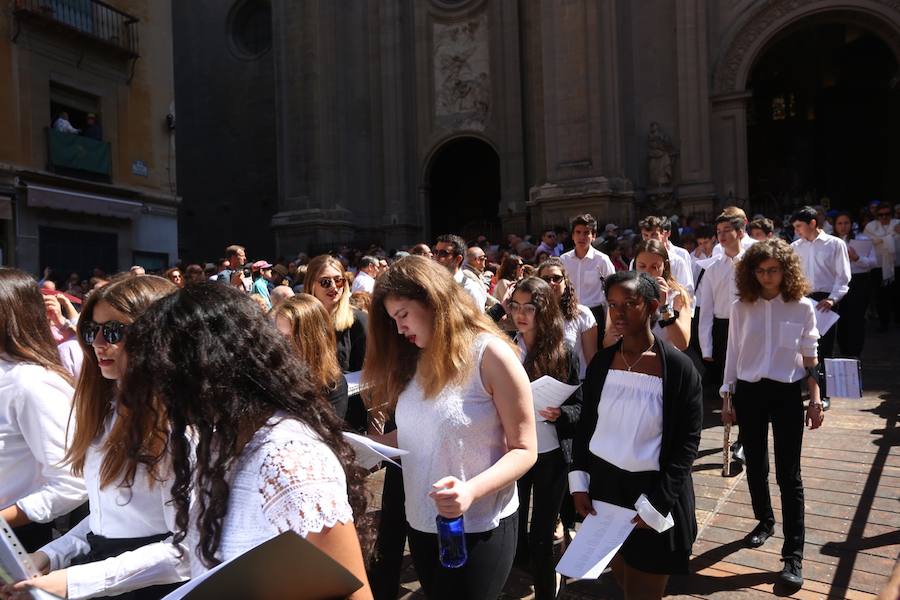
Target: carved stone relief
(462,85)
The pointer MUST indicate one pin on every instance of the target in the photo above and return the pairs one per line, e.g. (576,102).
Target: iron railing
(92,18)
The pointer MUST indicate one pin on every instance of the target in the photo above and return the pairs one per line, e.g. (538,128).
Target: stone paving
(851,474)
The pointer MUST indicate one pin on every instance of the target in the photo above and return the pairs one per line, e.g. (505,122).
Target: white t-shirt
(573,330)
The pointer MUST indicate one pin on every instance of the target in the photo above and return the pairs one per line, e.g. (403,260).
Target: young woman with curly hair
(325,279)
(35,400)
(637,439)
(673,322)
(124,547)
(580,326)
(545,351)
(303,320)
(465,414)
(255,448)
(772,340)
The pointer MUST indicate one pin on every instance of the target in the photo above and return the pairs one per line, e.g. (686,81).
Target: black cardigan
(351,343)
(682,424)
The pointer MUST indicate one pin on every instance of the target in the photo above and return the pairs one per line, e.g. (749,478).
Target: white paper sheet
(862,247)
(597,542)
(369,452)
(842,378)
(550,393)
(353,385)
(15,564)
(825,320)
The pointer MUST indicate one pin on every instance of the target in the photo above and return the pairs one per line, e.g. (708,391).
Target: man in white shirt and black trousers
(826,264)
(588,269)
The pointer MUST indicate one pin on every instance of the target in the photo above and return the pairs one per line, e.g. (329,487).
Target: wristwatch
(666,322)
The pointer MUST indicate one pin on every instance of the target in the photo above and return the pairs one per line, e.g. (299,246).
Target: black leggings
(490,559)
(547,480)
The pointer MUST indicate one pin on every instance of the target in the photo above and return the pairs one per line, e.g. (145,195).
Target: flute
(726,445)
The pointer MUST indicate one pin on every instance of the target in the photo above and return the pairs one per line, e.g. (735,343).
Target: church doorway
(824,121)
(463,185)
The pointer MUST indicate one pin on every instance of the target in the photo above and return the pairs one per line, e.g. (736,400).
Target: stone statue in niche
(461,74)
(661,157)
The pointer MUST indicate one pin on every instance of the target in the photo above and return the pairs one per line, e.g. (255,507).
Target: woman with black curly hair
(545,351)
(256,445)
(772,343)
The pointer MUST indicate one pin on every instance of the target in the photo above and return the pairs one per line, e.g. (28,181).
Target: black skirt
(645,549)
(103,548)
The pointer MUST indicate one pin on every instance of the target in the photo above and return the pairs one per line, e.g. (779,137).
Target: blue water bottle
(451,541)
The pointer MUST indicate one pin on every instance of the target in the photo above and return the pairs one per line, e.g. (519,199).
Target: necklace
(631,366)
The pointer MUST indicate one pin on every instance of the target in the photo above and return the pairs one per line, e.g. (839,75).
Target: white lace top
(286,478)
(459,434)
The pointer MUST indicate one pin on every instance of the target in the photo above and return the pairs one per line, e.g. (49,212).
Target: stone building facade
(396,120)
(105,197)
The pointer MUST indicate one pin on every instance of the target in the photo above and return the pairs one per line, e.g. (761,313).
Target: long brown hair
(568,303)
(794,284)
(549,355)
(659,249)
(312,337)
(25,333)
(392,361)
(91,406)
(343,314)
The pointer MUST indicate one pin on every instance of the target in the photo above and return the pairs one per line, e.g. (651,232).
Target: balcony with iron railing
(90,20)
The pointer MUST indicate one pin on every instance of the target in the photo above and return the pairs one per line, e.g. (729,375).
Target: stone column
(729,145)
(695,189)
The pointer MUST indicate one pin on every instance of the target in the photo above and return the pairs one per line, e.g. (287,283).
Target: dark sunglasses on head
(552,278)
(113,331)
(326,282)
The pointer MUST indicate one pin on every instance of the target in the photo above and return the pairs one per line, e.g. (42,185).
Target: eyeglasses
(443,253)
(113,331)
(326,282)
(480,258)
(770,272)
(526,309)
(554,279)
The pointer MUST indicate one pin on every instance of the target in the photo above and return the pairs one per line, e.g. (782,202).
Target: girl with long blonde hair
(464,411)
(124,547)
(309,328)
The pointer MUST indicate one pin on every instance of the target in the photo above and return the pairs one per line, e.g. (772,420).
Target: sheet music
(825,320)
(597,542)
(370,453)
(842,378)
(550,393)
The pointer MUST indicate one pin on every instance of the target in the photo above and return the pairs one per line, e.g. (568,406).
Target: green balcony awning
(79,152)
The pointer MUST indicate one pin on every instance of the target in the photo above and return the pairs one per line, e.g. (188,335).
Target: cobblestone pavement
(851,475)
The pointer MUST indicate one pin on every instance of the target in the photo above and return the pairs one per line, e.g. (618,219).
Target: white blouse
(768,339)
(119,512)
(34,412)
(286,478)
(573,329)
(457,433)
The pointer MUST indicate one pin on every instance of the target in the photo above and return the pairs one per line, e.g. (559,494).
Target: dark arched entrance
(464,189)
(824,121)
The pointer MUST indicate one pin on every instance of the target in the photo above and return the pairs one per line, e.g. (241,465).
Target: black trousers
(34,535)
(599,313)
(887,297)
(720,349)
(545,482)
(851,329)
(490,559)
(384,570)
(103,548)
(757,405)
(826,342)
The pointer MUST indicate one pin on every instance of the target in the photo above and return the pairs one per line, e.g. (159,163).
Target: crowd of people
(156,425)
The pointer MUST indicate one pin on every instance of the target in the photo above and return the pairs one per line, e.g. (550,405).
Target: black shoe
(759,535)
(792,573)
(737,452)
(826,403)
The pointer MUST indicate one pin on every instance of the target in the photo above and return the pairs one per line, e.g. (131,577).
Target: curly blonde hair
(794,284)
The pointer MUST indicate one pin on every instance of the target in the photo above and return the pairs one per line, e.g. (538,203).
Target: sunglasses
(554,279)
(113,332)
(326,282)
(443,253)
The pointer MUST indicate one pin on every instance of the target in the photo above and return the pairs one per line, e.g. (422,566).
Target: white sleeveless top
(629,421)
(457,433)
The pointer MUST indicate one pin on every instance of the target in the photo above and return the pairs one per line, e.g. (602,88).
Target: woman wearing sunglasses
(542,344)
(580,324)
(35,400)
(124,547)
(303,321)
(325,280)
